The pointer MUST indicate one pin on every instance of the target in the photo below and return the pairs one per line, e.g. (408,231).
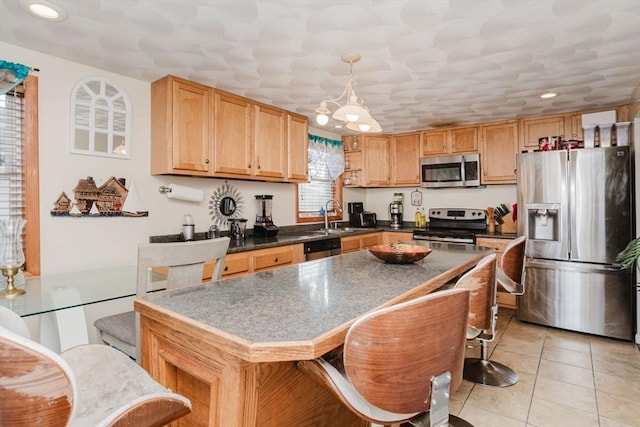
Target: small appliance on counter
(237,227)
(395,214)
(360,218)
(264,226)
(188,227)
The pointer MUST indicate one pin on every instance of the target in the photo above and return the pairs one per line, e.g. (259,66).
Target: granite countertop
(304,308)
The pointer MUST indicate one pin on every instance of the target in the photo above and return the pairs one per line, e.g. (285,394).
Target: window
(326,163)
(19,190)
(101,119)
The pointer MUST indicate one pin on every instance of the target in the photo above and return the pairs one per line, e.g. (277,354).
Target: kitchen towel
(188,194)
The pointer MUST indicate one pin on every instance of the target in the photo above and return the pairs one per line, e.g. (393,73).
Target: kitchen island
(231,347)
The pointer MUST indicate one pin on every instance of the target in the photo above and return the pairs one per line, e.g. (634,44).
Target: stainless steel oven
(453,225)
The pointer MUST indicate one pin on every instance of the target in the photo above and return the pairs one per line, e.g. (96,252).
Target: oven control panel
(464,214)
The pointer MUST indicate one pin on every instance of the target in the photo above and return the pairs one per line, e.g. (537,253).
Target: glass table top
(61,291)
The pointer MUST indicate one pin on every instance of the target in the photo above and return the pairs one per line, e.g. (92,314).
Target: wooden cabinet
(270,148)
(181,127)
(539,127)
(240,263)
(197,130)
(498,149)
(405,159)
(233,135)
(361,241)
(458,140)
(297,148)
(504,299)
(391,237)
(377,169)
(573,122)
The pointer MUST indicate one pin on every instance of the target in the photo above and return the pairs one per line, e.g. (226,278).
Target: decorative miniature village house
(62,205)
(107,200)
(111,197)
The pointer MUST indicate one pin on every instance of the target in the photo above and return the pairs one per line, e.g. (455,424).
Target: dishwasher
(322,248)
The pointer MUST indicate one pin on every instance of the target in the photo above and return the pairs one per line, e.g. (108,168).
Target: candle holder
(11,254)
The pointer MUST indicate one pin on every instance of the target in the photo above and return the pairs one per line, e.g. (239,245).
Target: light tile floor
(566,379)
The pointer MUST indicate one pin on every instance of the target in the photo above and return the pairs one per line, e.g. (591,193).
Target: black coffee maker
(264,226)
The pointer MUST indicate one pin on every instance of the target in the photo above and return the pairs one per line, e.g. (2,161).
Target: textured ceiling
(425,63)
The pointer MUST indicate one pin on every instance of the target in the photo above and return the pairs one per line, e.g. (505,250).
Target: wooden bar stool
(400,363)
(510,274)
(481,281)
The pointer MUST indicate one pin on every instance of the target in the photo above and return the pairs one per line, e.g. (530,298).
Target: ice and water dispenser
(543,221)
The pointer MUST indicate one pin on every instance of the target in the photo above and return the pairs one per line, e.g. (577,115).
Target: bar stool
(400,363)
(483,310)
(511,274)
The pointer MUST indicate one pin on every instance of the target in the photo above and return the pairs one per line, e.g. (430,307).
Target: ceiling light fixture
(354,113)
(548,95)
(44,10)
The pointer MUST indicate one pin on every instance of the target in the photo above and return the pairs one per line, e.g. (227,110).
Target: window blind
(314,195)
(12,203)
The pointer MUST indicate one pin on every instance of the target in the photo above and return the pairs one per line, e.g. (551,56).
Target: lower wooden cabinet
(239,263)
(504,299)
(361,241)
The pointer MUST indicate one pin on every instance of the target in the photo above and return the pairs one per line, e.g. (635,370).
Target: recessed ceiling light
(548,95)
(44,10)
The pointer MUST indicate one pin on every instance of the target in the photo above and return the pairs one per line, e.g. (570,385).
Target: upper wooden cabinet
(197,130)
(270,142)
(181,127)
(377,167)
(297,146)
(539,127)
(498,149)
(405,159)
(458,140)
(233,135)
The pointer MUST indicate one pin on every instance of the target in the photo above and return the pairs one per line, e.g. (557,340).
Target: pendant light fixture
(354,113)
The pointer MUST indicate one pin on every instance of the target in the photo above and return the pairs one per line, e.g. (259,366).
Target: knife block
(509,225)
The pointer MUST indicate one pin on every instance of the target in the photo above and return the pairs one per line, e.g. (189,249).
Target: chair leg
(484,371)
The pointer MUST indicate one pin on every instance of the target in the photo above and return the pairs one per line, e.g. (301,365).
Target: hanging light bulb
(354,113)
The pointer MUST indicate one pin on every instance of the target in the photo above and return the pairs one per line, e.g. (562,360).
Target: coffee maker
(264,226)
(395,214)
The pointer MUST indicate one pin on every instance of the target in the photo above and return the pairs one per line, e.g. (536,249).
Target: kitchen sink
(334,231)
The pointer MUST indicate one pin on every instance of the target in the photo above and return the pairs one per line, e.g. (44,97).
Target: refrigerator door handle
(573,266)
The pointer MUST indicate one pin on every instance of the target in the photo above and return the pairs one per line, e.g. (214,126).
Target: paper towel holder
(164,190)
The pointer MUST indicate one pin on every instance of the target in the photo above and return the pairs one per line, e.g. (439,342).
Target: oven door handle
(445,239)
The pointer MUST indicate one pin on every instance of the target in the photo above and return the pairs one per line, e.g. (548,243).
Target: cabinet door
(391,237)
(233,139)
(350,244)
(464,140)
(405,159)
(181,127)
(533,129)
(368,240)
(298,148)
(435,143)
(498,153)
(376,161)
(235,265)
(270,142)
(273,257)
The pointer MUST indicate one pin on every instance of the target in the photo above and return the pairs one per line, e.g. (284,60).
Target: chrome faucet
(326,212)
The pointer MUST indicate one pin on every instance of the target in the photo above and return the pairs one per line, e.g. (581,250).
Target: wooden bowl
(399,253)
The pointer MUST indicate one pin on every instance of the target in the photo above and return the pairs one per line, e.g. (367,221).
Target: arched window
(100,119)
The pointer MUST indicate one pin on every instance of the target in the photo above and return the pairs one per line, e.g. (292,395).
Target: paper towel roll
(188,194)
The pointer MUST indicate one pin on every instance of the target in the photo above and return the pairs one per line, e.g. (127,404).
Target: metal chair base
(489,373)
(424,422)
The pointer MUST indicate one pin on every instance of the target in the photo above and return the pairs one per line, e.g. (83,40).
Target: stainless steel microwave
(450,171)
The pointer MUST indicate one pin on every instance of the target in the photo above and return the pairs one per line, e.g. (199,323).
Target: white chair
(185,262)
(483,310)
(88,385)
(400,363)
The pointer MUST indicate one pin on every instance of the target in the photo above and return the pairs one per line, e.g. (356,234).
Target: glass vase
(11,253)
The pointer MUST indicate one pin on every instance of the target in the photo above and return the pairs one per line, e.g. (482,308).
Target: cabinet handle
(206,161)
(249,166)
(275,259)
(258,166)
(226,268)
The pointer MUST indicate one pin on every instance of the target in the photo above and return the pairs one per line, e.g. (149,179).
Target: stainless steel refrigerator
(575,207)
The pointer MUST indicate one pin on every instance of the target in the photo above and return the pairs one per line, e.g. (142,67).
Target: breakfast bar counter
(231,347)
